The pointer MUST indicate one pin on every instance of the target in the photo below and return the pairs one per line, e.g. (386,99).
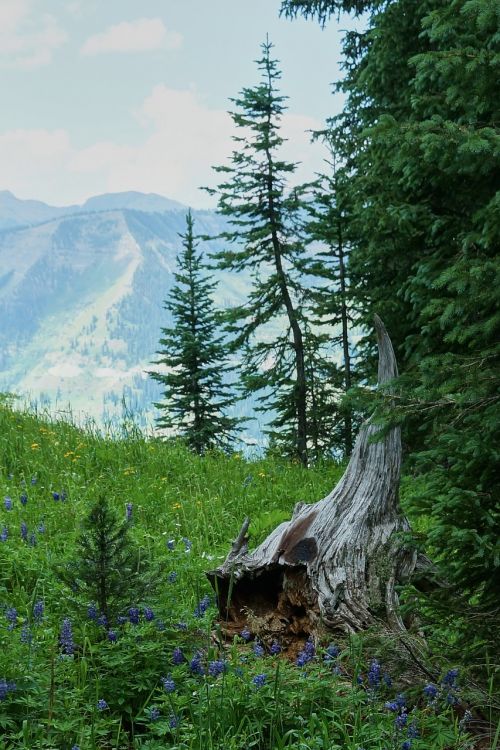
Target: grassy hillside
(157,677)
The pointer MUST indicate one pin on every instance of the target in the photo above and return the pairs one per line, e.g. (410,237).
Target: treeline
(407,225)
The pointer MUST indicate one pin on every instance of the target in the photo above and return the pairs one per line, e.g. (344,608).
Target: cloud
(133,36)
(27,41)
(183,138)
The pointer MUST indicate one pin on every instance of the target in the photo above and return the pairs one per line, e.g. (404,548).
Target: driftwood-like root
(336,564)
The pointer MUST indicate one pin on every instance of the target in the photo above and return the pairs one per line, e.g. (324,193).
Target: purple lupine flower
(154,713)
(56,496)
(75,747)
(121,619)
(4,535)
(41,528)
(172,577)
(33,480)
(246,634)
(177,656)
(392,706)
(430,691)
(217,667)
(24,532)
(24,499)
(406,745)
(168,684)
(332,652)
(26,636)
(258,649)
(92,612)
(173,721)
(374,675)
(275,648)
(307,654)
(101,704)
(451,699)
(38,609)
(6,688)
(148,614)
(11,617)
(133,615)
(112,636)
(32,539)
(187,544)
(8,503)
(180,626)
(202,606)
(66,637)
(401,720)
(259,680)
(196,665)
(171,544)
(412,731)
(401,700)
(102,620)
(128,511)
(387,680)
(450,678)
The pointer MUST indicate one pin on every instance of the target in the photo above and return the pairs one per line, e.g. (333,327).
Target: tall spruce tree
(262,213)
(420,137)
(197,393)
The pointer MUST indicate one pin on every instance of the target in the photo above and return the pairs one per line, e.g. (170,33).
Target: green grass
(174,495)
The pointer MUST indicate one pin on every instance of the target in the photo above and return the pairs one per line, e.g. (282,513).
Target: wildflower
(450,678)
(215,668)
(172,577)
(173,721)
(32,539)
(133,615)
(8,503)
(26,635)
(430,691)
(38,609)
(41,528)
(33,480)
(102,620)
(128,511)
(202,606)
(451,699)
(56,496)
(177,656)
(406,745)
(412,731)
(6,688)
(387,680)
(4,534)
(187,543)
(391,706)
(148,614)
(154,713)
(401,720)
(24,532)
(112,637)
(401,700)
(332,652)
(121,619)
(11,617)
(258,649)
(307,654)
(374,674)
(196,665)
(246,634)
(92,612)
(180,626)
(275,648)
(101,704)
(170,544)
(168,684)
(259,680)
(160,625)
(24,499)
(66,637)
(75,747)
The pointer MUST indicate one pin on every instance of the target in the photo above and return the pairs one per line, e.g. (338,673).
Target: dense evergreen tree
(262,238)
(193,354)
(419,139)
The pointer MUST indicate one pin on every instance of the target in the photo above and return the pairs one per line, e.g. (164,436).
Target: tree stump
(336,563)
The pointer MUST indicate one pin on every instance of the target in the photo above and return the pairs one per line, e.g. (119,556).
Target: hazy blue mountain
(15,212)
(81,299)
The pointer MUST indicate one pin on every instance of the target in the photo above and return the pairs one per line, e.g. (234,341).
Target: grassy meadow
(158,677)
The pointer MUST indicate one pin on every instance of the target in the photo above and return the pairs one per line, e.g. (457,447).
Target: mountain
(81,298)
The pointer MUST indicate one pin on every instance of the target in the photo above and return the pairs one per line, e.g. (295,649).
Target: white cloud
(183,139)
(133,36)
(27,41)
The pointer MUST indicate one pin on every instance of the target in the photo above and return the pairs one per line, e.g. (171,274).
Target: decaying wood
(337,562)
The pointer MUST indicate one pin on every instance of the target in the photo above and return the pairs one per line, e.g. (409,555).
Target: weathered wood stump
(336,563)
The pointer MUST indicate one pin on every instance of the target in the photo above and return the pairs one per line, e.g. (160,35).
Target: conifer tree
(193,354)
(262,238)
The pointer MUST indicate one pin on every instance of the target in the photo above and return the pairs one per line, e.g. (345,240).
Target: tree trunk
(336,563)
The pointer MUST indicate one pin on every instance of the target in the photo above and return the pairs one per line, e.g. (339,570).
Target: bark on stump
(336,563)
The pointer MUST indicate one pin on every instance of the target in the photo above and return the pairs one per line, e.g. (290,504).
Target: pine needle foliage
(263,237)
(108,570)
(194,356)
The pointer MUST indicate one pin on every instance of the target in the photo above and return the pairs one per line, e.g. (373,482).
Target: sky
(111,95)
